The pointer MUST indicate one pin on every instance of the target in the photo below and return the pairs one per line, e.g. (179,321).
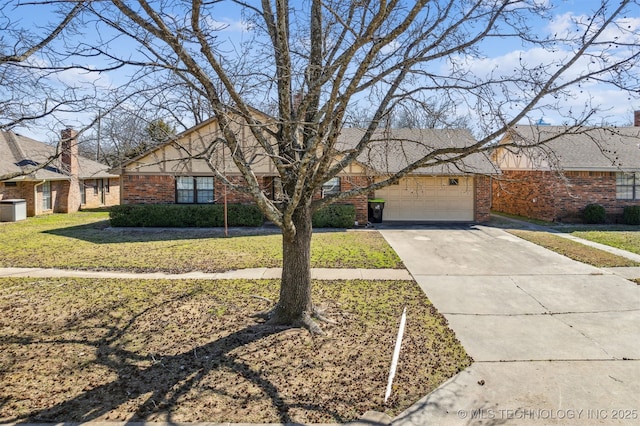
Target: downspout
(35,196)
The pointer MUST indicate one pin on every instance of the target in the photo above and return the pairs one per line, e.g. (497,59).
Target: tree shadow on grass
(167,380)
(157,387)
(102,233)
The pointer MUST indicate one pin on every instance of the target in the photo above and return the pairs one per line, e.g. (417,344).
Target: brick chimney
(70,164)
(636,118)
(69,148)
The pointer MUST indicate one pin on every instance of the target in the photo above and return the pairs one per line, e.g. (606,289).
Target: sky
(616,105)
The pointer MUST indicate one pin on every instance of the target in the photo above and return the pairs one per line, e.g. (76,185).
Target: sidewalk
(249,274)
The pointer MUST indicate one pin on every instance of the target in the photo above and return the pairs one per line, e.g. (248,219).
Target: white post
(396,354)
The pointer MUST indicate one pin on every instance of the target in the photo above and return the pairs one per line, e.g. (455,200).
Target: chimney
(69,148)
(71,165)
(636,118)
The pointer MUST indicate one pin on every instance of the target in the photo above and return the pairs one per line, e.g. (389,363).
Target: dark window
(453,181)
(7,184)
(106,186)
(332,186)
(192,190)
(627,186)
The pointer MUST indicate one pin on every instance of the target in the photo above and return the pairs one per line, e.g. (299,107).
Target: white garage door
(429,198)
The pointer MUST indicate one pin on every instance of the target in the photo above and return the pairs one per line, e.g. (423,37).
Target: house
(576,167)
(66,183)
(456,192)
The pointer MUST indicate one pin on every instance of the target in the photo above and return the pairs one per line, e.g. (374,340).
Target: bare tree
(317,61)
(27,92)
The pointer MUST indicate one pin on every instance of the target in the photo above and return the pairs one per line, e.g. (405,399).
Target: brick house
(66,184)
(169,174)
(555,181)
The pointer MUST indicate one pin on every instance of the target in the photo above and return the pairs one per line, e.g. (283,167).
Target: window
(628,186)
(453,181)
(332,186)
(46,195)
(8,184)
(191,190)
(83,193)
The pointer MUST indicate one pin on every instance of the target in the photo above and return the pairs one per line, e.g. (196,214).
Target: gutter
(35,196)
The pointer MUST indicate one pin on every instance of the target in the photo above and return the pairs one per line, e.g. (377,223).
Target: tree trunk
(295,306)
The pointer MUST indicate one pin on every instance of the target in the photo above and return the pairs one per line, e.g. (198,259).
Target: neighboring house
(557,180)
(167,174)
(69,182)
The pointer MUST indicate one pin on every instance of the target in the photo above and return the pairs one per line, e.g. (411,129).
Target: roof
(391,150)
(19,153)
(583,148)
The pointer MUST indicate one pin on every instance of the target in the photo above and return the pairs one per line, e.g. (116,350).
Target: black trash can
(375,211)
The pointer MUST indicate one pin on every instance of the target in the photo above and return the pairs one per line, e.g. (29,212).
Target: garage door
(429,199)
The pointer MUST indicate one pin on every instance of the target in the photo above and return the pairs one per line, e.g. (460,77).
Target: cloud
(229,25)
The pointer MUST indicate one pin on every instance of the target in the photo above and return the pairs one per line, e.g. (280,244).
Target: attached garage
(428,198)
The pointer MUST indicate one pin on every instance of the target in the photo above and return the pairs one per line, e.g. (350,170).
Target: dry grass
(190,351)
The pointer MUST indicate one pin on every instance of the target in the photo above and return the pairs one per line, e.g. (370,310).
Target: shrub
(631,215)
(184,216)
(593,213)
(335,216)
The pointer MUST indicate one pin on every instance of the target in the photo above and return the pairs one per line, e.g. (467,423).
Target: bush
(184,216)
(593,213)
(631,215)
(335,216)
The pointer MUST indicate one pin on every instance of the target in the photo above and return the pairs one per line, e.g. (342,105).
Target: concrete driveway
(554,341)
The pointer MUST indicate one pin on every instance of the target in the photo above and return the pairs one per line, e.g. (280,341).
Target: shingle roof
(584,148)
(19,152)
(393,149)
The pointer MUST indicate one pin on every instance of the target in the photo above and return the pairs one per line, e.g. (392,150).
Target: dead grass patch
(190,351)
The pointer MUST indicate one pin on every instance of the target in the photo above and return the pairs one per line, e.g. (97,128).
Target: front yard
(191,350)
(84,241)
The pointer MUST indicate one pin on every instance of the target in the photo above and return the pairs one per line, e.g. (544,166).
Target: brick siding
(160,189)
(148,189)
(92,194)
(554,197)
(482,200)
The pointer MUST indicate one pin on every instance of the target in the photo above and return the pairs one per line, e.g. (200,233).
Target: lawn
(574,250)
(191,351)
(625,240)
(84,240)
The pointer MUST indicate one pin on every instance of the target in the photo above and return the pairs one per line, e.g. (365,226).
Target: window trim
(634,186)
(46,202)
(332,186)
(195,190)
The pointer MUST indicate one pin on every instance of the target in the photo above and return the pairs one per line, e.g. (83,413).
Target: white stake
(396,354)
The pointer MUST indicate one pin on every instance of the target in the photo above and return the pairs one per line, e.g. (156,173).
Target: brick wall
(92,196)
(148,189)
(158,189)
(553,197)
(11,192)
(482,200)
(360,201)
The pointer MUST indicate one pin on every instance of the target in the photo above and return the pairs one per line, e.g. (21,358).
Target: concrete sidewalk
(554,341)
(250,274)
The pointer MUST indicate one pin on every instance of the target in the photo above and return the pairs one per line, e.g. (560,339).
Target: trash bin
(375,210)
(13,210)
